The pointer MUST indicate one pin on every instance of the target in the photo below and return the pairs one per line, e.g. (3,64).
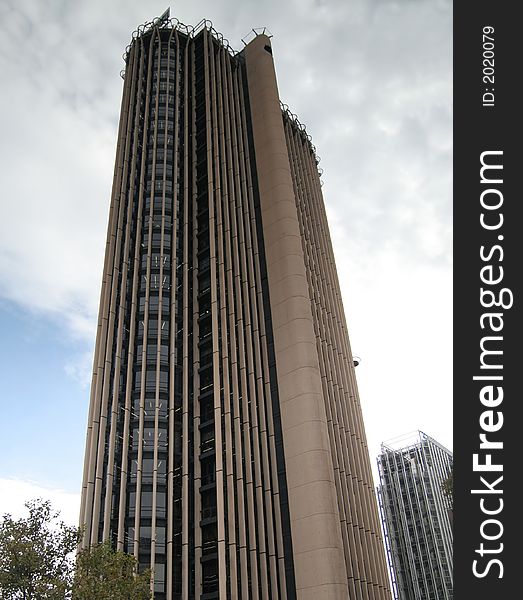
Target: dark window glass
(132,505)
(145,537)
(210,576)
(148,438)
(159,577)
(160,512)
(147,474)
(209,539)
(160,533)
(206,409)
(208,471)
(136,439)
(207,440)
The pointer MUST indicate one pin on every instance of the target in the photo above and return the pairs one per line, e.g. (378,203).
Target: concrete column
(315,525)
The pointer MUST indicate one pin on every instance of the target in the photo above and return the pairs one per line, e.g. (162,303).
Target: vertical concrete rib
(122,148)
(315,525)
(224,152)
(250,400)
(239,265)
(214,194)
(89,517)
(128,406)
(348,400)
(188,382)
(354,483)
(315,274)
(231,274)
(259,367)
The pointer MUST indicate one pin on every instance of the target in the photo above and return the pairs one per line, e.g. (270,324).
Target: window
(134,471)
(207,440)
(148,438)
(150,380)
(209,539)
(149,408)
(136,439)
(147,477)
(205,326)
(129,538)
(147,503)
(160,531)
(160,513)
(210,576)
(161,467)
(132,506)
(138,380)
(145,536)
(206,378)
(159,577)
(208,471)
(164,381)
(206,409)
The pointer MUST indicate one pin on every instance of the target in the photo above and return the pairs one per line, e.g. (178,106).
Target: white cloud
(15,492)
(372,81)
(80,368)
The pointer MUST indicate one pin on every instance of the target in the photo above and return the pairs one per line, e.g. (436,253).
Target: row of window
(159,186)
(161,155)
(157,260)
(146,507)
(150,380)
(159,205)
(162,111)
(147,471)
(150,437)
(149,406)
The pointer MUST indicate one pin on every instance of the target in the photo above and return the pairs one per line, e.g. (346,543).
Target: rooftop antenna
(165,15)
(255,32)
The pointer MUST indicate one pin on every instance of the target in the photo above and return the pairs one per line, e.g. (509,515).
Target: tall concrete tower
(225,444)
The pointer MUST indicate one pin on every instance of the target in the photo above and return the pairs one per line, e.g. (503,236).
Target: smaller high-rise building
(416,516)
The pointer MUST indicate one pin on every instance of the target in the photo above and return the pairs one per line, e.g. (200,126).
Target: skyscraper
(416,517)
(225,444)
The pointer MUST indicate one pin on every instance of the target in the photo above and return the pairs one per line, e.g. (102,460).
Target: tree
(36,554)
(448,489)
(105,574)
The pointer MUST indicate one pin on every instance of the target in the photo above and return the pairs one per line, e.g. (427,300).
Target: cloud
(373,84)
(80,368)
(15,492)
(370,78)
(57,151)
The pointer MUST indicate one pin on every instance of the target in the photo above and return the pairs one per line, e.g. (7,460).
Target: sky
(372,81)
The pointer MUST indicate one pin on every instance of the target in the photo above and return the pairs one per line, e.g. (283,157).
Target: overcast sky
(371,79)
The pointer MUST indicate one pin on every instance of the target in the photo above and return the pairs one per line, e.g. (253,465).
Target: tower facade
(225,444)
(416,517)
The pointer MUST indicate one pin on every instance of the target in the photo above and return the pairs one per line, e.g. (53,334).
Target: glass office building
(225,444)
(416,516)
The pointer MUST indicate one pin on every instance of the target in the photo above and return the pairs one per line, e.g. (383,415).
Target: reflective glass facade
(417,518)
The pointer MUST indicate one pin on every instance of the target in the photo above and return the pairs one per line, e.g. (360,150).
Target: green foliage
(36,555)
(448,488)
(104,574)
(37,562)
